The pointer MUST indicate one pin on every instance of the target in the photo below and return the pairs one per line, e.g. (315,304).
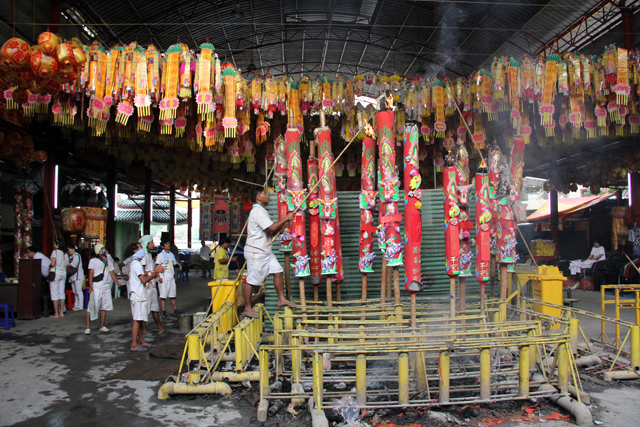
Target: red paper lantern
(73,220)
(41,156)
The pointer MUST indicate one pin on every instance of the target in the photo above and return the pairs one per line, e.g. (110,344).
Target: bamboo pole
(462,294)
(452,295)
(287,273)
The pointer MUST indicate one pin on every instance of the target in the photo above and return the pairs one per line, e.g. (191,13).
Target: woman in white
(59,262)
(76,279)
(597,254)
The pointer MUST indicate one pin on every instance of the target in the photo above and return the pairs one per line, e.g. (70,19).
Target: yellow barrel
(547,287)
(226,287)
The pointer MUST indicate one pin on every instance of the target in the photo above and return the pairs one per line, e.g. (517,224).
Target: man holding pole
(261,262)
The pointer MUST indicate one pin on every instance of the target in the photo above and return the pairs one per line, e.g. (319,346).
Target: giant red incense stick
(280,178)
(314,217)
(412,220)
(389,215)
(367,205)
(295,200)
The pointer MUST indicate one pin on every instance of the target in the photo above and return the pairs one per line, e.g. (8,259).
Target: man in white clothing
(146,243)
(138,278)
(167,281)
(261,262)
(100,275)
(45,262)
(205,255)
(597,254)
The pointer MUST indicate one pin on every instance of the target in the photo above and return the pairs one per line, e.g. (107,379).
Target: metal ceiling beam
(344,46)
(145,25)
(406,18)
(489,58)
(255,30)
(282,30)
(429,39)
(224,32)
(195,44)
(326,40)
(375,21)
(583,30)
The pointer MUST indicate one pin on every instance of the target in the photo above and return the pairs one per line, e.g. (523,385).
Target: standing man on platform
(205,254)
(261,262)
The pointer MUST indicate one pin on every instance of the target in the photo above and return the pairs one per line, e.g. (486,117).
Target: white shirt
(112,267)
(136,288)
(62,260)
(76,261)
(167,260)
(44,263)
(98,268)
(598,251)
(149,265)
(257,237)
(126,266)
(205,252)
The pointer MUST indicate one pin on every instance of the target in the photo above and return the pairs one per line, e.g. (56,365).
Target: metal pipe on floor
(168,389)
(579,411)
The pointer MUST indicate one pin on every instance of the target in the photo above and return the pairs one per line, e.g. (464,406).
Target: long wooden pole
(452,296)
(462,294)
(383,282)
(287,273)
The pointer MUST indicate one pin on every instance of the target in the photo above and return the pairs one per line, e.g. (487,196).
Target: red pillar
(189,219)
(111,199)
(634,197)
(146,215)
(553,205)
(47,214)
(172,214)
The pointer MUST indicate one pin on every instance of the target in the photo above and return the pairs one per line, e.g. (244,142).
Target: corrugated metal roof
(386,36)
(135,215)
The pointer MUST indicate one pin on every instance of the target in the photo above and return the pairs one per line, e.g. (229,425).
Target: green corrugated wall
(435,281)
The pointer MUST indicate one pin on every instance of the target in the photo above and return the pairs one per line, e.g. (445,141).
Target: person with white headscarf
(146,243)
(138,278)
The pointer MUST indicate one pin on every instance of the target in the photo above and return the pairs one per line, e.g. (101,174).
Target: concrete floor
(51,374)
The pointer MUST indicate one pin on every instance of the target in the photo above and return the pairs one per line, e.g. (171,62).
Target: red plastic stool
(70,299)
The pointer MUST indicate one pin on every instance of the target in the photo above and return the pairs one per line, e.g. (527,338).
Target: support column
(47,214)
(189,220)
(146,215)
(553,206)
(111,199)
(172,214)
(634,199)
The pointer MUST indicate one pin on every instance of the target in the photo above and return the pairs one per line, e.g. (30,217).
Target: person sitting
(597,254)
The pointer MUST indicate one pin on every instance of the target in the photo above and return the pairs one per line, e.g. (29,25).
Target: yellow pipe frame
(485,374)
(635,347)
(403,379)
(361,379)
(318,381)
(524,371)
(444,376)
(563,368)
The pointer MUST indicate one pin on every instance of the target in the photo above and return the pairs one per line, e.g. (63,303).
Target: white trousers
(76,286)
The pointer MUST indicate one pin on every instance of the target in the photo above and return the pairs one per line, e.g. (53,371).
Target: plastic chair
(8,320)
